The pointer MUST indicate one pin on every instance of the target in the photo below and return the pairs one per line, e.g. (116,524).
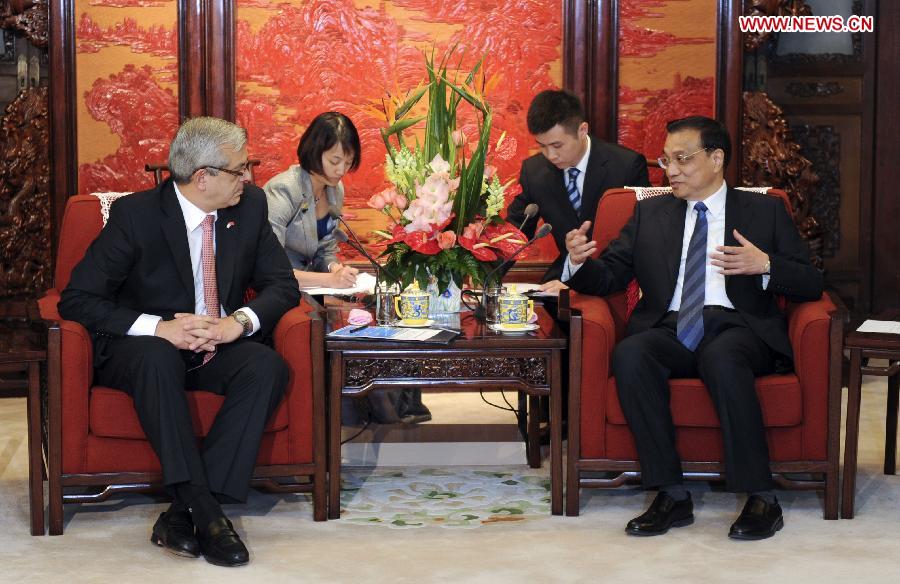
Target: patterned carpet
(452,497)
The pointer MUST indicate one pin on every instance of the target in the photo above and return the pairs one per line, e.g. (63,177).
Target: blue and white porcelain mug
(412,306)
(515,310)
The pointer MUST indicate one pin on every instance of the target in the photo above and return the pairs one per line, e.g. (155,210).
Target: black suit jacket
(649,249)
(609,166)
(141,263)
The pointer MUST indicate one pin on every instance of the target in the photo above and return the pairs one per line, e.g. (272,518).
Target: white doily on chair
(106,199)
(642,193)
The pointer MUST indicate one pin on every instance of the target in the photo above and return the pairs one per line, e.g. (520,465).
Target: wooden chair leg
(35,451)
(890,437)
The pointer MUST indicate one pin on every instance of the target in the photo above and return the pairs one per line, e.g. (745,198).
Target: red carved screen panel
(127,77)
(300,58)
(667,69)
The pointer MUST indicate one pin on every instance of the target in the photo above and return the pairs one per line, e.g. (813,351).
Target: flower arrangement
(444,201)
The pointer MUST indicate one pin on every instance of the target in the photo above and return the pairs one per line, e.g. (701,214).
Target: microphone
(530,211)
(356,244)
(543,231)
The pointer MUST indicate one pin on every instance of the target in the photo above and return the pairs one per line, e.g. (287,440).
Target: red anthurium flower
(422,242)
(479,249)
(505,238)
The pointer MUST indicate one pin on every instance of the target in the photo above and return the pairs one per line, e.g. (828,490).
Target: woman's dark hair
(555,106)
(713,134)
(321,135)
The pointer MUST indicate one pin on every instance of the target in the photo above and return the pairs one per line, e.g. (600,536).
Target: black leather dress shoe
(175,532)
(758,520)
(220,544)
(663,513)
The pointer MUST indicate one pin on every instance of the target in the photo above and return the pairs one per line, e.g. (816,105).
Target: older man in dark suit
(709,260)
(571,173)
(161,290)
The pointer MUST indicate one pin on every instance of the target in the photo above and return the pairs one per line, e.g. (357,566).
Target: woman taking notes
(301,196)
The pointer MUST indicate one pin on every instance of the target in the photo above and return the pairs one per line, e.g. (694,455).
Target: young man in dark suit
(161,291)
(709,260)
(571,173)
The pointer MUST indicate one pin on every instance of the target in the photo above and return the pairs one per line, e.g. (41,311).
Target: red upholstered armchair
(94,438)
(801,411)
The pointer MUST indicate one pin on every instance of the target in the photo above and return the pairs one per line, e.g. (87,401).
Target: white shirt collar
(193,215)
(582,164)
(715,203)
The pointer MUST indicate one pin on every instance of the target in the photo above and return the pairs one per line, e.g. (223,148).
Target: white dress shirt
(193,223)
(715,236)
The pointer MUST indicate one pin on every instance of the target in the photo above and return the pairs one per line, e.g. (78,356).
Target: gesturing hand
(578,246)
(746,259)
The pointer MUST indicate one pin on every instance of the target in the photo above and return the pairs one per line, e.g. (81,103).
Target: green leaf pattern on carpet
(452,497)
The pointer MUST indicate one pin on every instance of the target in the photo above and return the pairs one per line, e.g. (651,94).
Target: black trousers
(728,360)
(250,375)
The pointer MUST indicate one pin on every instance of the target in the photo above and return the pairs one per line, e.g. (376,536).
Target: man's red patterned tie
(210,288)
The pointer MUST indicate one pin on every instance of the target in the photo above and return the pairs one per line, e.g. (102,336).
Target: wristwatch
(245,322)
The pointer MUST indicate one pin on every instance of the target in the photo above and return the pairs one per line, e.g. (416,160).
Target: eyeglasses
(680,159)
(240,172)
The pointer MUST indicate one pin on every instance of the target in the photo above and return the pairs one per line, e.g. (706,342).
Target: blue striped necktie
(693,289)
(572,188)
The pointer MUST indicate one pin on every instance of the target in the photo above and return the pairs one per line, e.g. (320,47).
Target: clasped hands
(198,332)
(732,260)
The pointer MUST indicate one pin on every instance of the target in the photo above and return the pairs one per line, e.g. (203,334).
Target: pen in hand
(358,328)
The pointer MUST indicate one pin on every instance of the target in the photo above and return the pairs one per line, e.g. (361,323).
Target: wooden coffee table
(479,359)
(863,346)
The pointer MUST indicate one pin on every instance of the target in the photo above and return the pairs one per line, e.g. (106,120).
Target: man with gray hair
(161,290)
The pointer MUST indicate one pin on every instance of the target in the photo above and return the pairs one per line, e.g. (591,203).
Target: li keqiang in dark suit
(747,251)
(162,288)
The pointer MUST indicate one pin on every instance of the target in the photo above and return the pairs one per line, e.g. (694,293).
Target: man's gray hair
(198,144)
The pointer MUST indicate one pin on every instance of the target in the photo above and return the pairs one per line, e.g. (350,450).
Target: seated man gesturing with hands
(709,260)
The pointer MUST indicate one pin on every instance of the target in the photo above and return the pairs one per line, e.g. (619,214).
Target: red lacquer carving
(295,53)
(156,40)
(145,118)
(638,41)
(127,3)
(643,113)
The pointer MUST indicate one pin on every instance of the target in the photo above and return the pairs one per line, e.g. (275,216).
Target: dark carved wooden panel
(27,16)
(822,145)
(772,158)
(533,370)
(25,195)
(753,41)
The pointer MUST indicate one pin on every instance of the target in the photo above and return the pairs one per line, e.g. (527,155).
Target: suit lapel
(176,237)
(672,229)
(738,213)
(227,230)
(596,175)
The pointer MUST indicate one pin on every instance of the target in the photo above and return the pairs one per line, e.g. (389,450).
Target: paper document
(529,289)
(891,327)
(390,333)
(365,283)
